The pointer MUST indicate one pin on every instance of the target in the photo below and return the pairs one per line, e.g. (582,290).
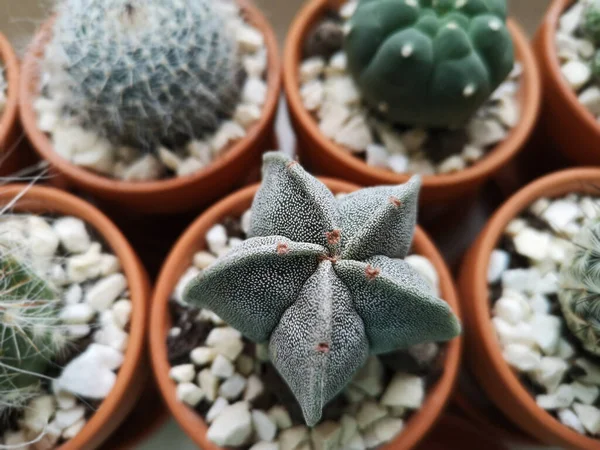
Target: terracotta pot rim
(46,199)
(481,327)
(193,239)
(43,145)
(8,116)
(548,43)
(494,159)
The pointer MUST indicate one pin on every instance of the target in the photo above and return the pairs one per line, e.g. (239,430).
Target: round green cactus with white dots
(591,21)
(323,281)
(428,63)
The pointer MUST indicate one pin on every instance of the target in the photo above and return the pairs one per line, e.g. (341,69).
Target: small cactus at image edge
(323,281)
(30,331)
(579,293)
(591,21)
(143,73)
(428,63)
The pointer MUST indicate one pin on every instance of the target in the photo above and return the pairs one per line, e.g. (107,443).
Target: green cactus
(591,21)
(579,294)
(30,331)
(317,279)
(145,72)
(428,63)
(596,65)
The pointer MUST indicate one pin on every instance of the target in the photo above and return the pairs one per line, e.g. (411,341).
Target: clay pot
(455,432)
(495,376)
(171,195)
(132,374)
(193,240)
(323,156)
(566,122)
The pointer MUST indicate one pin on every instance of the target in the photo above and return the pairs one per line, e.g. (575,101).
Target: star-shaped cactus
(322,281)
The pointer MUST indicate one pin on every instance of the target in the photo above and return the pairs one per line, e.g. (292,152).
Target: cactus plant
(30,330)
(428,63)
(322,281)
(144,72)
(579,294)
(591,21)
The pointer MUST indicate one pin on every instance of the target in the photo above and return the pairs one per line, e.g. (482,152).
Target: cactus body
(591,21)
(29,331)
(145,72)
(320,279)
(428,63)
(580,288)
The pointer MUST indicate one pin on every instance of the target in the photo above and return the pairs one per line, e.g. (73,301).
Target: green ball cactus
(30,331)
(145,72)
(591,21)
(319,281)
(428,63)
(579,294)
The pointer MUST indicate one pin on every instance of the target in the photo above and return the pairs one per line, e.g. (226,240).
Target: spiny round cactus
(428,63)
(591,21)
(320,279)
(580,288)
(30,332)
(145,72)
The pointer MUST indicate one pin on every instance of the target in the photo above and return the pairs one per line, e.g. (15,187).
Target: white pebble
(64,418)
(333,116)
(291,438)
(499,263)
(65,400)
(246,221)
(571,18)
(146,168)
(264,427)
(311,69)
(249,38)
(255,64)
(452,164)
(590,98)
(79,313)
(222,367)
(404,390)
(203,259)
(209,384)
(189,393)
(511,309)
(73,294)
(377,156)
(550,373)
(169,158)
(342,90)
(122,312)
(247,115)
(587,394)
(532,243)
(513,334)
(385,430)
(540,304)
(592,371)
(369,379)
(254,91)
(568,418)
(426,269)
(485,132)
(85,266)
(264,445)
(355,135)
(562,398)
(43,240)
(182,373)
(16,439)
(577,73)
(280,416)
(201,356)
(220,334)
(74,429)
(522,357)
(217,407)
(312,94)
(36,415)
(216,238)
(103,294)
(189,166)
(472,154)
(227,133)
(99,157)
(398,163)
(189,275)
(78,331)
(337,64)
(565,349)
(369,412)
(561,213)
(73,234)
(233,387)
(254,388)
(546,332)
(589,416)
(232,427)
(109,264)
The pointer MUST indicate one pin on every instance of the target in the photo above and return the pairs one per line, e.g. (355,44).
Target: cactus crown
(319,281)
(145,72)
(428,63)
(30,332)
(579,295)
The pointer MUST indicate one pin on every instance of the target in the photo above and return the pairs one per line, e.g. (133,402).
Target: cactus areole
(322,280)
(428,63)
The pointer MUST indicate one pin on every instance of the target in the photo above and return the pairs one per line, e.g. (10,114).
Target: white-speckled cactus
(144,72)
(580,288)
(317,279)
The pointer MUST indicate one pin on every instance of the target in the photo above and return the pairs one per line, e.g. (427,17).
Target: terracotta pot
(132,374)
(10,130)
(193,240)
(325,157)
(499,381)
(566,122)
(177,194)
(456,432)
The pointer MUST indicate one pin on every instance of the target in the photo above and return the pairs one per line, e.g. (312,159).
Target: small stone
(201,356)
(264,427)
(342,90)
(74,429)
(369,412)
(452,164)
(421,166)
(312,94)
(254,91)
(200,150)
(369,379)
(217,407)
(280,416)
(262,352)
(387,429)
(209,384)
(507,110)
(550,373)
(182,373)
(561,213)
(189,166)
(85,266)
(146,168)
(216,239)
(392,140)
(255,64)
(244,364)
(576,73)
(592,371)
(99,157)
(38,412)
(169,158)
(73,234)
(338,64)
(291,438)
(377,156)
(65,400)
(404,390)
(585,393)
(203,259)
(562,398)
(189,393)
(532,243)
(590,98)
(349,429)
(103,294)
(424,353)
(513,309)
(355,135)
(348,10)
(326,436)
(254,388)
(514,334)
(546,332)
(247,114)
(398,163)
(109,264)
(79,313)
(333,117)
(515,226)
(565,349)
(230,348)
(227,133)
(249,38)
(485,132)
(221,334)
(64,418)
(233,427)
(311,69)
(354,395)
(78,331)
(568,418)
(499,263)
(73,294)
(569,21)
(246,220)
(189,275)
(356,443)
(16,439)
(222,367)
(122,312)
(426,269)
(589,417)
(43,240)
(233,387)
(522,357)
(264,445)
(472,154)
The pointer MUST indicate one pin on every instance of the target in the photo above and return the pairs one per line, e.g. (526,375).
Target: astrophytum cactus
(144,72)
(579,292)
(30,331)
(428,63)
(322,281)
